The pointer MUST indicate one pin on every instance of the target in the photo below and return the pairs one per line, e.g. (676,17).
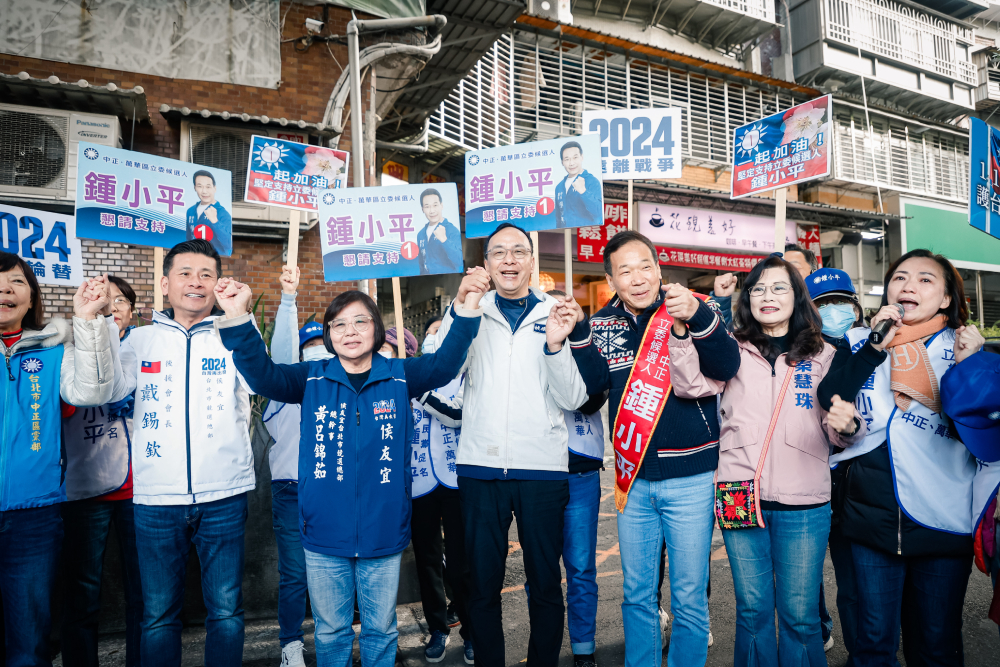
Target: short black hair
(124,288)
(808,254)
(619,240)
(202,172)
(431,320)
(34,318)
(427,193)
(957,311)
(506,225)
(570,144)
(342,301)
(196,246)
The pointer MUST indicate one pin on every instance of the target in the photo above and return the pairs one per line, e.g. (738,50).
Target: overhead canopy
(80,96)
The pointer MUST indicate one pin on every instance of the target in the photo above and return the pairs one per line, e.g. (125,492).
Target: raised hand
(725,285)
(289,279)
(233,297)
(968,341)
(474,285)
(440,233)
(91,298)
(841,416)
(212,214)
(890,312)
(558,326)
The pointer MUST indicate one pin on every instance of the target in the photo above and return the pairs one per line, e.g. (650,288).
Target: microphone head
(902,311)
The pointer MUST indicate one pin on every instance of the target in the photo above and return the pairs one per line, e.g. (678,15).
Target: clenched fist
(841,416)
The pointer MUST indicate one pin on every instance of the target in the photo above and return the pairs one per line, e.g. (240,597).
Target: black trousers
(441,506)
(488,507)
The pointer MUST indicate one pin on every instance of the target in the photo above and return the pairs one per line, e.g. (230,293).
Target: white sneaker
(291,655)
(829,644)
(664,625)
(711,639)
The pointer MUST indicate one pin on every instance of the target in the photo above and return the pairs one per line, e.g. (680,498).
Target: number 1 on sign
(545,205)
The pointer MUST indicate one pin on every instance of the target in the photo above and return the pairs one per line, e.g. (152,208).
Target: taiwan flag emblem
(151,367)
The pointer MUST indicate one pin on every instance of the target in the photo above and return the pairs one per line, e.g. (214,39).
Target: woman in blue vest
(354,456)
(914,492)
(41,366)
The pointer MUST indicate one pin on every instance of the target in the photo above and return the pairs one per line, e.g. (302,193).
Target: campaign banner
(290,174)
(808,237)
(637,144)
(382,232)
(984,197)
(785,148)
(46,241)
(590,241)
(552,184)
(705,228)
(700,259)
(139,199)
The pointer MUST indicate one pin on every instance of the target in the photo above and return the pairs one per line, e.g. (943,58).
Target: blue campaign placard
(383,232)
(984,181)
(552,184)
(139,199)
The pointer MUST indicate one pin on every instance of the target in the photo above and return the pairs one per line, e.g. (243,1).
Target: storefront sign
(46,241)
(292,175)
(381,232)
(703,228)
(700,259)
(984,198)
(140,199)
(782,149)
(644,143)
(590,241)
(808,238)
(551,184)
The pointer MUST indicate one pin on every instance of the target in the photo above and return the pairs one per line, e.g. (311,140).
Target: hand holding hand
(474,285)
(968,341)
(841,416)
(91,298)
(233,297)
(725,285)
(890,312)
(212,214)
(681,303)
(289,279)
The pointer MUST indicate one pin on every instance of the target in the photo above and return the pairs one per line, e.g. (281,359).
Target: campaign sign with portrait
(552,184)
(46,241)
(984,177)
(140,199)
(785,148)
(290,174)
(400,230)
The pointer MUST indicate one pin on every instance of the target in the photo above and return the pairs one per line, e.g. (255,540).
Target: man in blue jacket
(215,220)
(440,241)
(579,196)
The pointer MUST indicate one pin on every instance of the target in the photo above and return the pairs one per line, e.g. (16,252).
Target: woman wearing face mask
(914,493)
(390,349)
(354,474)
(430,334)
(773,479)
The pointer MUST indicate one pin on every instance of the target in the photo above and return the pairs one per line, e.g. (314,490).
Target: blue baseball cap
(828,282)
(310,331)
(970,395)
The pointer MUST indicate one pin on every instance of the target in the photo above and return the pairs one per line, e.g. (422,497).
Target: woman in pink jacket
(773,480)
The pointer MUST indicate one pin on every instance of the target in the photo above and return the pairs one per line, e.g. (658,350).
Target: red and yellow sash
(642,404)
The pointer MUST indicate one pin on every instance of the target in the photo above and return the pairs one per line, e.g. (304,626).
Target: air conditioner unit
(38,149)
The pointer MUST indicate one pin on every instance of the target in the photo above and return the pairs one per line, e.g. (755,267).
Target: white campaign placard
(46,241)
(639,143)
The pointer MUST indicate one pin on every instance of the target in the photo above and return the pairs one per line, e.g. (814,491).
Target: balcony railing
(758,9)
(899,33)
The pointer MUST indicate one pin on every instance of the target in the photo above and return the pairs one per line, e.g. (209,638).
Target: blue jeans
(333,582)
(579,558)
(292,585)
(87,525)
(932,590)
(30,542)
(779,567)
(847,589)
(677,512)
(164,534)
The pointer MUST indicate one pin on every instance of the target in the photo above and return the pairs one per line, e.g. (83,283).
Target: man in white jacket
(512,458)
(192,462)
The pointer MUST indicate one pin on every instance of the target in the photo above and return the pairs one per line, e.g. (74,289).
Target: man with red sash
(666,448)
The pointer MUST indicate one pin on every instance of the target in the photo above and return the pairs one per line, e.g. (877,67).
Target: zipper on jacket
(5,442)
(357,479)
(506,431)
(7,354)
(187,411)
(899,534)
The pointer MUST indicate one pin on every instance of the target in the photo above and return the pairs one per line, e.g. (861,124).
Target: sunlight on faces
(433,209)
(510,275)
(919,286)
(353,344)
(15,299)
(636,277)
(572,160)
(121,308)
(205,187)
(190,283)
(773,311)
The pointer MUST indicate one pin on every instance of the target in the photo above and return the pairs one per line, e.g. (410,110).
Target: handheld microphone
(882,328)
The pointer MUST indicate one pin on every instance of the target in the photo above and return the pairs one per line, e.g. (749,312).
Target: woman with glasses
(354,455)
(99,495)
(773,480)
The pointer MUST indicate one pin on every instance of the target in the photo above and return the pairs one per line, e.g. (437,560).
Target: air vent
(33,151)
(223,148)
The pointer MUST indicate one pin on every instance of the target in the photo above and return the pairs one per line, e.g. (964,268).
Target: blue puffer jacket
(354,452)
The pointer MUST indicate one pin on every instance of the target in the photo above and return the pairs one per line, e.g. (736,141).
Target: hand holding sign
(233,297)
(289,279)
(841,416)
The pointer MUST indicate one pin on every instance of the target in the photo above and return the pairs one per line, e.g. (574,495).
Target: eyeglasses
(120,302)
(360,324)
(499,254)
(777,289)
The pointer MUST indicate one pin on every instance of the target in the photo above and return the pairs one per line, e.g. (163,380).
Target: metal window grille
(33,150)
(223,148)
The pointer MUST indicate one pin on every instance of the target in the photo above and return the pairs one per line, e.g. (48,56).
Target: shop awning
(81,96)
(244,118)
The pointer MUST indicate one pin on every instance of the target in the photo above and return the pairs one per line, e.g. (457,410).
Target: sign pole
(293,238)
(157,272)
(397,305)
(780,196)
(631,225)
(979,299)
(537,269)
(568,251)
